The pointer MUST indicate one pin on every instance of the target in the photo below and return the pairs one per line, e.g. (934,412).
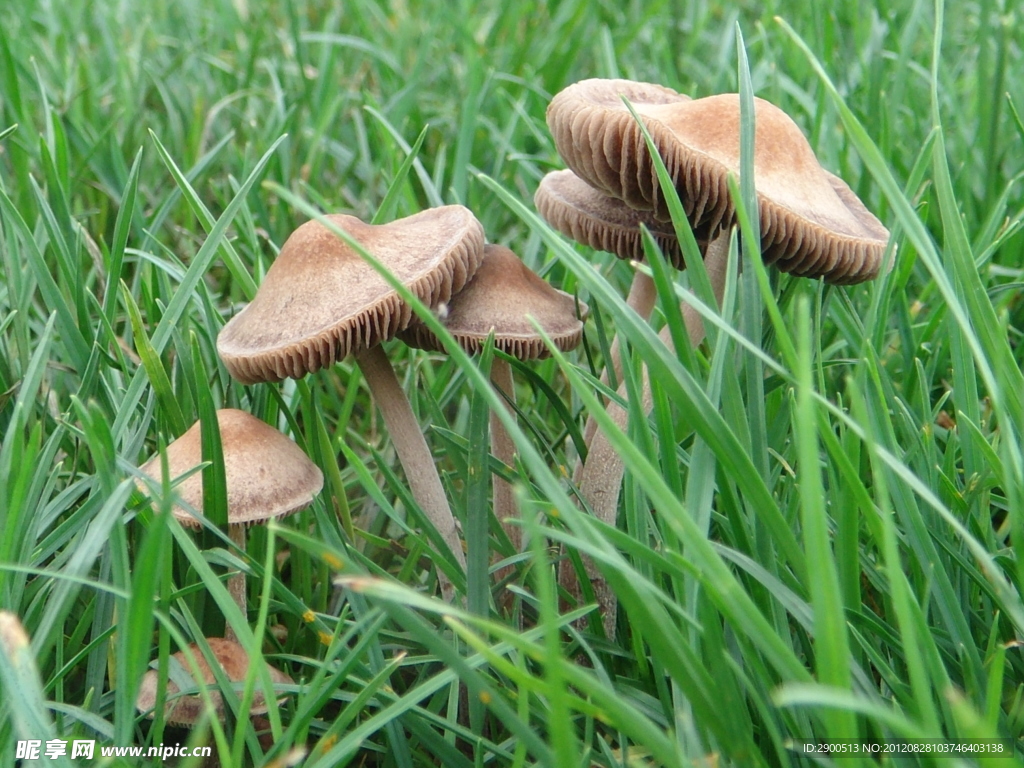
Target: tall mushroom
(267,476)
(504,298)
(811,223)
(321,301)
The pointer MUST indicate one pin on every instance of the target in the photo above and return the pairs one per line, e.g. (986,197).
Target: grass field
(821,533)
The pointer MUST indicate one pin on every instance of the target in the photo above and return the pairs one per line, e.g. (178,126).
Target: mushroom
(321,301)
(503,298)
(811,223)
(267,476)
(186,709)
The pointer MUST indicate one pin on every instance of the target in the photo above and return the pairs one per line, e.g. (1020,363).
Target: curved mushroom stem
(504,450)
(601,478)
(413,453)
(236,581)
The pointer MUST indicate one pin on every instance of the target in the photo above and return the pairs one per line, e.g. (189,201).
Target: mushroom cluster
(811,222)
(323,300)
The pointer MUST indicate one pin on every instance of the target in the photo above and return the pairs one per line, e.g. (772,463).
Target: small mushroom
(186,709)
(321,301)
(502,299)
(267,476)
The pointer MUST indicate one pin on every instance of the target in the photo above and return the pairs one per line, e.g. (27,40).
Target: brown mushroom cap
(186,710)
(605,223)
(811,222)
(502,297)
(267,474)
(320,301)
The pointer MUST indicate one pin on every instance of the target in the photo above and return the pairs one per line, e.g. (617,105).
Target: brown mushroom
(811,222)
(321,301)
(185,708)
(504,298)
(267,476)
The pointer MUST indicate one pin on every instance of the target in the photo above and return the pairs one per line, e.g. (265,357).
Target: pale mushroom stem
(504,450)
(236,581)
(413,453)
(642,295)
(601,479)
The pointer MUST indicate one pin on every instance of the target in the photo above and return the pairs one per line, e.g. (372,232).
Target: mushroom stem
(601,478)
(642,295)
(504,450)
(236,581)
(413,453)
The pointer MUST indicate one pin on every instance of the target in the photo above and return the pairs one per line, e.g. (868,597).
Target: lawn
(820,535)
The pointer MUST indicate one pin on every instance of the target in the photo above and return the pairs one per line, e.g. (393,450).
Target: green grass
(821,533)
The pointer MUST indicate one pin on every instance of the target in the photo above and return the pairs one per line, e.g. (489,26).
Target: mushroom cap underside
(596,219)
